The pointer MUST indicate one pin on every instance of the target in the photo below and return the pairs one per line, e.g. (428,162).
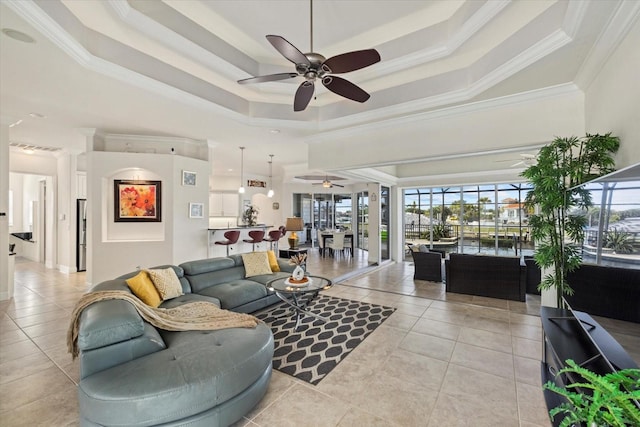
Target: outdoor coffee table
(298,297)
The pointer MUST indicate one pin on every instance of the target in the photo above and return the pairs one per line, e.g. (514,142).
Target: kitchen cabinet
(223,204)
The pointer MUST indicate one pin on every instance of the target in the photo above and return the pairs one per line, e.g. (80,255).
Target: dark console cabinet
(575,335)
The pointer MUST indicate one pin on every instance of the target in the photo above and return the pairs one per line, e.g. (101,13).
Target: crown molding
(48,27)
(145,24)
(621,22)
(119,137)
(519,98)
(459,179)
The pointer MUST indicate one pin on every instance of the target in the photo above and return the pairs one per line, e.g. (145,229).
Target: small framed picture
(188,178)
(276,206)
(196,210)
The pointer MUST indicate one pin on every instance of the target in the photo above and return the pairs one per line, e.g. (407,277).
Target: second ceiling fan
(314,66)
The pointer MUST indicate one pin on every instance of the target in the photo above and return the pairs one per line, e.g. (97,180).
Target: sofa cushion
(198,371)
(166,282)
(200,266)
(99,359)
(256,263)
(107,323)
(236,292)
(142,286)
(273,261)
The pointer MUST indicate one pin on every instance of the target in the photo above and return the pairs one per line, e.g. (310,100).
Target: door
(362,224)
(385,230)
(81,235)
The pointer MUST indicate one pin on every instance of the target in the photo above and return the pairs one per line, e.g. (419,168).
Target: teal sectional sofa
(132,374)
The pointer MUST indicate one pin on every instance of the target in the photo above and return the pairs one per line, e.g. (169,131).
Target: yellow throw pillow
(166,282)
(256,263)
(273,261)
(142,287)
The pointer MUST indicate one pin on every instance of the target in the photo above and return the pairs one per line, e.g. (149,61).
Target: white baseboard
(65,269)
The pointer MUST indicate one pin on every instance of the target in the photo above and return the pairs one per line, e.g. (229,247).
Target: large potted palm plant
(561,167)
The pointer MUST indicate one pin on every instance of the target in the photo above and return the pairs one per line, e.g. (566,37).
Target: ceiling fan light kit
(314,66)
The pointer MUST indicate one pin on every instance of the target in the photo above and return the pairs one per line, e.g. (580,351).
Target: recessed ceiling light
(275,131)
(18,35)
(37,116)
(229,170)
(28,150)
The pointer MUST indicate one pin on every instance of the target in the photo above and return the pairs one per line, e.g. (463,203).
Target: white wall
(117,248)
(16,184)
(6,272)
(612,102)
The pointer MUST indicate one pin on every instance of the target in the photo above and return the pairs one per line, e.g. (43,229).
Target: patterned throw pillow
(273,261)
(166,282)
(256,263)
(142,287)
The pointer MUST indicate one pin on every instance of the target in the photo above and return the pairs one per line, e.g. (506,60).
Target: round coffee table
(298,297)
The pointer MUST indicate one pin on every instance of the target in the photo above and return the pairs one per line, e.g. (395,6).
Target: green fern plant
(612,402)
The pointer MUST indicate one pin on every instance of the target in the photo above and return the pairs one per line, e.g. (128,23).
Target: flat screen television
(571,334)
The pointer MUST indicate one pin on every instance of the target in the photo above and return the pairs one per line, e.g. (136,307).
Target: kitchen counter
(217,234)
(242,227)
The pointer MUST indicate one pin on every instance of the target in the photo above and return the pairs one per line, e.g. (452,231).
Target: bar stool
(232,238)
(256,237)
(274,237)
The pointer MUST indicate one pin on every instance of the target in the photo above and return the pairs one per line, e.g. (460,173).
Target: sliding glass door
(362,223)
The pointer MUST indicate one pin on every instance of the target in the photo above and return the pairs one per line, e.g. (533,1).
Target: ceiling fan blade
(288,50)
(337,185)
(351,61)
(268,78)
(303,95)
(345,88)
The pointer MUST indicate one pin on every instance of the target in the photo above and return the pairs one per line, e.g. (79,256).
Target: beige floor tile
(527,370)
(453,411)
(481,390)
(483,359)
(355,417)
(54,409)
(486,339)
(410,309)
(31,388)
(531,404)
(280,383)
(23,367)
(301,405)
(436,328)
(415,368)
(487,324)
(455,317)
(530,332)
(428,345)
(401,321)
(527,348)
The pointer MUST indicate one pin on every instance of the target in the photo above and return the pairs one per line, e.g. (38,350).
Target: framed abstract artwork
(196,210)
(189,178)
(137,201)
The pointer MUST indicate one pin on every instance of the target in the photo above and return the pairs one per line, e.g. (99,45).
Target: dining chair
(337,244)
(320,242)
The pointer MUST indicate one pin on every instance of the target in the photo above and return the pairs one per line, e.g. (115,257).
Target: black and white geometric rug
(315,348)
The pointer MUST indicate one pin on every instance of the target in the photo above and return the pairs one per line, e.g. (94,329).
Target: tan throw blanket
(197,315)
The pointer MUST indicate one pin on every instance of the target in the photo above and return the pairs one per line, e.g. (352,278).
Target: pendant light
(241,189)
(270,192)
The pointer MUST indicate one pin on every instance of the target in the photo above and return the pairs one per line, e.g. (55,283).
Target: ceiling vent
(33,148)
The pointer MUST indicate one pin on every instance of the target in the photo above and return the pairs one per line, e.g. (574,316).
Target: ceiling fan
(314,66)
(326,183)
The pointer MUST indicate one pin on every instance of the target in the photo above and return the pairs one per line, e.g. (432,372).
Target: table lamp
(294,224)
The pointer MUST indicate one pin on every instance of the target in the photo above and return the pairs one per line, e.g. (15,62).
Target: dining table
(324,235)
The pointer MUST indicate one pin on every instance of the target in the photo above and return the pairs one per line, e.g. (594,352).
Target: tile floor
(440,360)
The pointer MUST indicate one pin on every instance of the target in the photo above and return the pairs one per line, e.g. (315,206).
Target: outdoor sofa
(600,290)
(136,375)
(486,275)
